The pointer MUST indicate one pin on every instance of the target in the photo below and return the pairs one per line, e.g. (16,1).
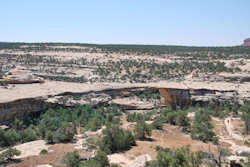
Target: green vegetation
(134,117)
(67,79)
(59,125)
(158,123)
(246,116)
(173,117)
(220,110)
(43,152)
(90,144)
(202,128)
(197,60)
(181,157)
(115,139)
(145,71)
(149,94)
(7,156)
(140,49)
(3,83)
(142,130)
(72,159)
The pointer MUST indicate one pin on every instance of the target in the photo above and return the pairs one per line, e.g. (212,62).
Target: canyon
(28,101)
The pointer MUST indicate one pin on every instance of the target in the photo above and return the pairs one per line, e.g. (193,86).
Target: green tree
(49,137)
(101,158)
(29,135)
(181,157)
(18,124)
(157,123)
(72,159)
(246,116)
(9,137)
(8,155)
(202,128)
(116,139)
(142,130)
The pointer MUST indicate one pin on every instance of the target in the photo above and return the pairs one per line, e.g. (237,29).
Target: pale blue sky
(169,22)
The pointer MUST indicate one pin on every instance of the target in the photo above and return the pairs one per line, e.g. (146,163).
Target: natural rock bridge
(171,97)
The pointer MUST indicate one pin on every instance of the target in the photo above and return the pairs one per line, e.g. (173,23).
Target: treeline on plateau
(154,49)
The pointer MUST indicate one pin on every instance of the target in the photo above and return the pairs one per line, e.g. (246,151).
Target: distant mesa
(246,42)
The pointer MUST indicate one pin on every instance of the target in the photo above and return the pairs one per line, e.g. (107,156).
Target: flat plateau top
(15,92)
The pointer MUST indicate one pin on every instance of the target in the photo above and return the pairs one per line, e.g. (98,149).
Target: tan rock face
(19,75)
(172,97)
(20,108)
(175,97)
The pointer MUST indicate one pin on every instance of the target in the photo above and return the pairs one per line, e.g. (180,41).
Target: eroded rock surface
(23,99)
(140,161)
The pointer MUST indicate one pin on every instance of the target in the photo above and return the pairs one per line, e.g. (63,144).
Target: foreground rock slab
(140,161)
(31,148)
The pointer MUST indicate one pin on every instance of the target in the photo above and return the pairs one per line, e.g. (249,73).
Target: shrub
(202,128)
(90,143)
(3,83)
(133,117)
(9,138)
(43,151)
(72,159)
(176,118)
(181,157)
(49,137)
(29,135)
(157,123)
(247,142)
(246,116)
(7,155)
(100,160)
(116,139)
(142,130)
(94,124)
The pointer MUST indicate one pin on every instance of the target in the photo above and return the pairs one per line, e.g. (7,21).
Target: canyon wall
(22,107)
(170,98)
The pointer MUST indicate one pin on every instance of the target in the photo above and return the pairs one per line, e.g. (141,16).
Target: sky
(165,22)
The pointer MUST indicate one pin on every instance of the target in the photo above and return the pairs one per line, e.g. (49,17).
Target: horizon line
(136,44)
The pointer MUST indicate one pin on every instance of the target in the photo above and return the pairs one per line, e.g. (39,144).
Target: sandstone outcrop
(171,97)
(22,107)
(20,100)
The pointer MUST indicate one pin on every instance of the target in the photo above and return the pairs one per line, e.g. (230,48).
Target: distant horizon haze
(61,42)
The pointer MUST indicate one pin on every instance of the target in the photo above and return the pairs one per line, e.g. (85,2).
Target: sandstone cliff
(171,97)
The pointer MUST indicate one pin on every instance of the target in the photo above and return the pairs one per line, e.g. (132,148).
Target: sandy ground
(53,157)
(229,137)
(30,153)
(236,140)
(170,137)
